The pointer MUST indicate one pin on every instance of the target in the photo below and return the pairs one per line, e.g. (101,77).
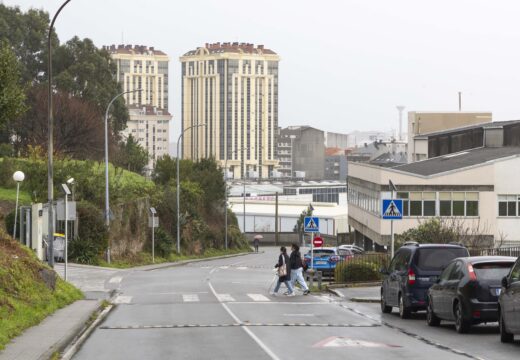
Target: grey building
(336,167)
(301,149)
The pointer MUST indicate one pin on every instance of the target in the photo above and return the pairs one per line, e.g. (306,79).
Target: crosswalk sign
(311,224)
(392,209)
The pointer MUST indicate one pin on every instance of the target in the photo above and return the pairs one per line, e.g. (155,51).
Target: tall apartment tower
(232,88)
(145,68)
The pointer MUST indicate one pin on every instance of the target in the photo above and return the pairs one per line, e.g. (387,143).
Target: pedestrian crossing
(194,298)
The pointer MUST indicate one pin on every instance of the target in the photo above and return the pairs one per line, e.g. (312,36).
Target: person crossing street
(296,265)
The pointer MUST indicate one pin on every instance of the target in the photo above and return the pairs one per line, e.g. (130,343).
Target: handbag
(282,270)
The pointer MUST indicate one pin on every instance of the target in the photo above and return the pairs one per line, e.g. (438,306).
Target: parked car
(509,305)
(356,250)
(326,259)
(414,268)
(467,291)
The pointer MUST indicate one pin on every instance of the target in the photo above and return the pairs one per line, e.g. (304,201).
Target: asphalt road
(222,309)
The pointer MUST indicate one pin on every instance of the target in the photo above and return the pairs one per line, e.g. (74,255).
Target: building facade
(232,90)
(473,190)
(301,153)
(145,68)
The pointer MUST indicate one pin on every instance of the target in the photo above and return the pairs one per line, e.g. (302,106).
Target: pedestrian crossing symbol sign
(311,224)
(392,209)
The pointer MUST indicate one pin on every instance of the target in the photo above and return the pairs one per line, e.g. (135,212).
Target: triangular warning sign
(392,210)
(311,224)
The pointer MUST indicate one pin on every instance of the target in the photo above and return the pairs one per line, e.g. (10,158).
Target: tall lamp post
(67,192)
(181,136)
(18,176)
(107,201)
(226,194)
(50,145)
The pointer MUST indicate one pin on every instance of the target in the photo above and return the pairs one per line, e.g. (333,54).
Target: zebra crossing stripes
(258,297)
(190,298)
(225,298)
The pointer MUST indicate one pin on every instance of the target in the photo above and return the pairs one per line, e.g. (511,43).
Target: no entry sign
(317,241)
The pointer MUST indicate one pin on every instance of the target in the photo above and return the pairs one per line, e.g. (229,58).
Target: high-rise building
(232,88)
(145,68)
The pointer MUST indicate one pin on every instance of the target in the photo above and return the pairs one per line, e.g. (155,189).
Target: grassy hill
(25,297)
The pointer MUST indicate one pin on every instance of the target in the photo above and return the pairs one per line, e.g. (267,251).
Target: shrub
(83,251)
(163,243)
(362,268)
(9,224)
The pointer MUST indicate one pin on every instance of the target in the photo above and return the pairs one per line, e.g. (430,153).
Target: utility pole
(276,220)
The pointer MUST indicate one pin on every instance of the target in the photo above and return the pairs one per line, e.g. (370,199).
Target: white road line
(213,270)
(258,297)
(115,280)
(190,297)
(298,315)
(242,268)
(247,330)
(225,297)
(281,303)
(123,299)
(224,267)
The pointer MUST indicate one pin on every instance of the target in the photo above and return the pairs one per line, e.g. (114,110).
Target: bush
(93,235)
(163,243)
(362,268)
(9,224)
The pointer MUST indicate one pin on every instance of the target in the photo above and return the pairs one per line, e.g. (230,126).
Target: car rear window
(492,271)
(323,252)
(432,259)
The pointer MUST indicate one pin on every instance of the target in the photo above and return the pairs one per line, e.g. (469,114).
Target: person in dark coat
(256,243)
(283,262)
(296,263)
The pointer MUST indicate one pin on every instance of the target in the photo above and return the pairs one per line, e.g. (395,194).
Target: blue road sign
(392,209)
(311,224)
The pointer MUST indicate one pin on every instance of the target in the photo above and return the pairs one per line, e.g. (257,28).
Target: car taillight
(334,258)
(472,274)
(411,277)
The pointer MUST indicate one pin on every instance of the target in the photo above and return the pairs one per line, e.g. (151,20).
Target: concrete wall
(309,153)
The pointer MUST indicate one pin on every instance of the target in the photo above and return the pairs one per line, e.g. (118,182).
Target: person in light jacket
(283,261)
(297,269)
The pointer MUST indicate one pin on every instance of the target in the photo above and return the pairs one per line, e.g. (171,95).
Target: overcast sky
(345,64)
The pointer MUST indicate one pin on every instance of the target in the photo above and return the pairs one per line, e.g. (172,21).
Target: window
(445,203)
(406,203)
(445,276)
(515,273)
(415,204)
(458,204)
(429,203)
(507,205)
(472,204)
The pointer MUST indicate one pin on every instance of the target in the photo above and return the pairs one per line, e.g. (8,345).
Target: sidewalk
(52,334)
(360,294)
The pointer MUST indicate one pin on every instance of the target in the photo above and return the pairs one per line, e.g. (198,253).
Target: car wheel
(404,311)
(461,325)
(431,318)
(505,337)
(385,309)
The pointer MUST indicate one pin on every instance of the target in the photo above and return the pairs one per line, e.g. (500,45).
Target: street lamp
(107,201)
(18,176)
(50,145)
(226,194)
(67,192)
(181,136)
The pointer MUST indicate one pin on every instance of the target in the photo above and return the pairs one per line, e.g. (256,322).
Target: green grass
(145,258)
(10,195)
(25,300)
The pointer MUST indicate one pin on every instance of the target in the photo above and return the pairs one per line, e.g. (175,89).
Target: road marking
(190,297)
(337,341)
(123,299)
(224,267)
(248,331)
(115,280)
(298,315)
(258,297)
(292,303)
(225,297)
(178,326)
(242,268)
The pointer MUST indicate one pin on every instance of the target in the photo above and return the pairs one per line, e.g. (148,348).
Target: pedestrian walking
(284,273)
(296,265)
(256,242)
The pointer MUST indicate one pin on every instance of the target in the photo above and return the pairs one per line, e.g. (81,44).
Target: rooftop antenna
(400,108)
(460,101)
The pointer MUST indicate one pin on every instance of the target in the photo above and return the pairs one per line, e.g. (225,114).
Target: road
(222,309)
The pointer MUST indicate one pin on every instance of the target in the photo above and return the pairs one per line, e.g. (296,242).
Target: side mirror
(383,271)
(505,282)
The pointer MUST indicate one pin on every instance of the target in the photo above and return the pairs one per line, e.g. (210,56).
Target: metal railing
(361,268)
(504,251)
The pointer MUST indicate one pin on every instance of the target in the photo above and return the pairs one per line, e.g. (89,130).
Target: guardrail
(506,251)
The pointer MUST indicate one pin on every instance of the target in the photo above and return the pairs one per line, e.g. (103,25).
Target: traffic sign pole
(392,229)
(312,253)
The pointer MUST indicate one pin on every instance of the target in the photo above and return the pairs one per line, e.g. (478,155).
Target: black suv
(414,268)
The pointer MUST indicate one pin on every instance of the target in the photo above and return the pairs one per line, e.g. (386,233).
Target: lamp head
(70,181)
(18,176)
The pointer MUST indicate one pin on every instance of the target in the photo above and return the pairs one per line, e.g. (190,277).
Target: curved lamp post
(50,145)
(18,176)
(107,201)
(179,187)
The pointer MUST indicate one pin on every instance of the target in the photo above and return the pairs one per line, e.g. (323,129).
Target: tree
(12,97)
(299,227)
(131,155)
(78,131)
